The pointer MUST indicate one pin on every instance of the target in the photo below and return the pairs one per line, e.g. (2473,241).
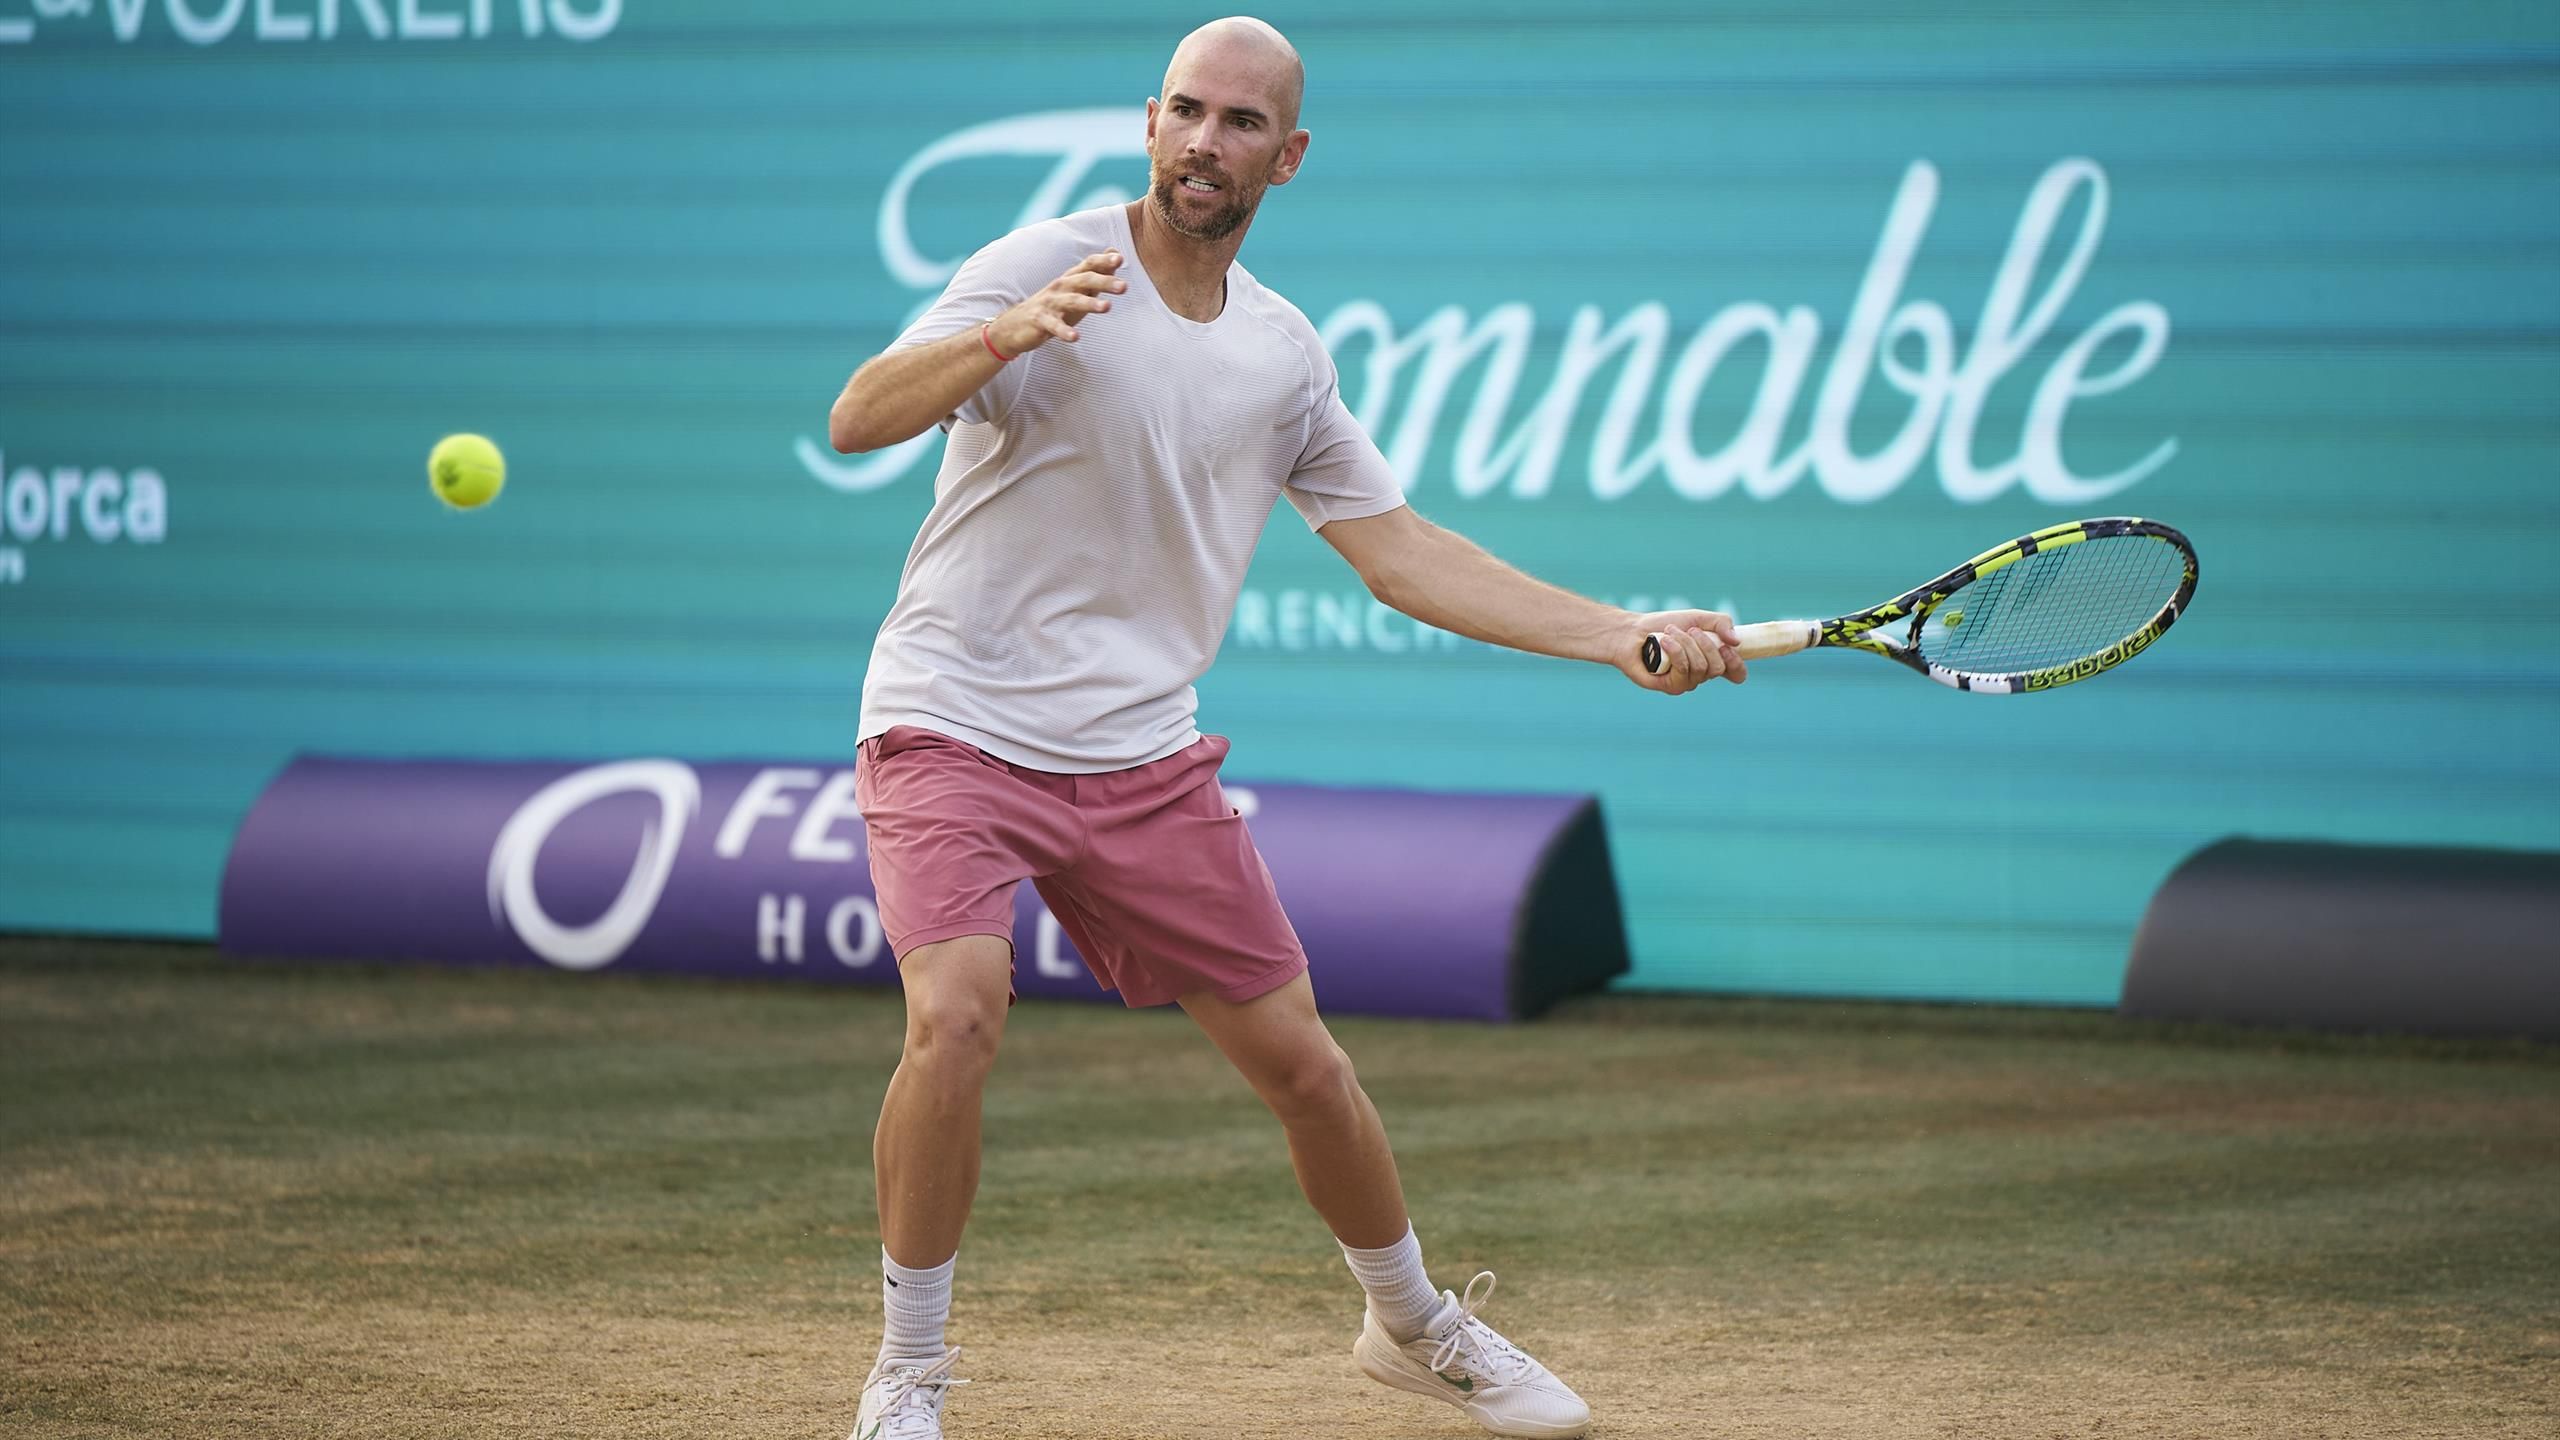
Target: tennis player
(1125,404)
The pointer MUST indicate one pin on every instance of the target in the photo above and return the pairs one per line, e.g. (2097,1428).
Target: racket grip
(1756,642)
(1775,637)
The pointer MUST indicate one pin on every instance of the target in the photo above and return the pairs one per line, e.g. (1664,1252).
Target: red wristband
(986,337)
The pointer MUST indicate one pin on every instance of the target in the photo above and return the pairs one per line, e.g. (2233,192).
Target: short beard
(1226,220)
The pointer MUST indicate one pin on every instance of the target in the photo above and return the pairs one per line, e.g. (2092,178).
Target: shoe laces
(910,1393)
(1477,1346)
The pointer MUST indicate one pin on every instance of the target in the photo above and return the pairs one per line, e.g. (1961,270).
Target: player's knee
(1314,1086)
(953,1032)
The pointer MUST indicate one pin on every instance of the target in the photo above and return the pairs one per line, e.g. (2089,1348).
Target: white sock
(917,1304)
(1400,1292)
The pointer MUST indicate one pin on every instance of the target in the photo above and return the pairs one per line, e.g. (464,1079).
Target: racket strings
(2055,606)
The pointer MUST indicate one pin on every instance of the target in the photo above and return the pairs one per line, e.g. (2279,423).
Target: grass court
(265,1201)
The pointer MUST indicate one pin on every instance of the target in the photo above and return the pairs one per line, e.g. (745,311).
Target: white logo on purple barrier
(599,943)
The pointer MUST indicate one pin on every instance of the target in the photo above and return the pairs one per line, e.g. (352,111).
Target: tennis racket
(2065,603)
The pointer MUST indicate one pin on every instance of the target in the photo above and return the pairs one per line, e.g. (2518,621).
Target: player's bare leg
(925,1153)
(1336,1142)
(925,1160)
(1413,1338)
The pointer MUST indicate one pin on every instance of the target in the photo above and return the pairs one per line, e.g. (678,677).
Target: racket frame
(1866,629)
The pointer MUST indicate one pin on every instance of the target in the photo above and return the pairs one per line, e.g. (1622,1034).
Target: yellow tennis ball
(466,471)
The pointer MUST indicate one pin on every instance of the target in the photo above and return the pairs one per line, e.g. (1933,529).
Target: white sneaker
(903,1399)
(1462,1360)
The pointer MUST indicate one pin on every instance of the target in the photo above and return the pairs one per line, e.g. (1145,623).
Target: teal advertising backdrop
(1773,309)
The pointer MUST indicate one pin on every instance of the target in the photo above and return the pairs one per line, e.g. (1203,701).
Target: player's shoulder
(1286,324)
(1047,249)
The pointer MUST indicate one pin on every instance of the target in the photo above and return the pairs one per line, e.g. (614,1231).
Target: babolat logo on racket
(2114,655)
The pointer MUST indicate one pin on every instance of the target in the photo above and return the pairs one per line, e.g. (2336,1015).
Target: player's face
(1214,144)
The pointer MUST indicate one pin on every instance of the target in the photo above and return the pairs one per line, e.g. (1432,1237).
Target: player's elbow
(1385,586)
(853,421)
(1397,575)
(848,428)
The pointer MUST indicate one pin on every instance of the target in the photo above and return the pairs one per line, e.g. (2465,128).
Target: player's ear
(1153,105)
(1293,153)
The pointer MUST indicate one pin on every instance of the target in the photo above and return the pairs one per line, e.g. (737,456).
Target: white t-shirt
(1097,505)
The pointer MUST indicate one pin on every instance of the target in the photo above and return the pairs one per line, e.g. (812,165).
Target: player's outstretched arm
(1444,579)
(901,394)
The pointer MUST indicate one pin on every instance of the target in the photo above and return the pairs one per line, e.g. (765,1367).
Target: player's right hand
(1052,313)
(1697,646)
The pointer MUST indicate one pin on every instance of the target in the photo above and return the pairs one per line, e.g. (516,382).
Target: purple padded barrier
(1480,907)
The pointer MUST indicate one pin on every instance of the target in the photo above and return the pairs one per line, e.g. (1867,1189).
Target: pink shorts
(1149,871)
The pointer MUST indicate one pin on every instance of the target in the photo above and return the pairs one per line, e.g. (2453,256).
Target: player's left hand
(1698,644)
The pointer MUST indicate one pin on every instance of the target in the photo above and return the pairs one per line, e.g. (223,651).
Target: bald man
(1125,405)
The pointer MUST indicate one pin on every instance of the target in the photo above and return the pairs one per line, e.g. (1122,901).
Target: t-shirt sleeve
(1341,475)
(989,283)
